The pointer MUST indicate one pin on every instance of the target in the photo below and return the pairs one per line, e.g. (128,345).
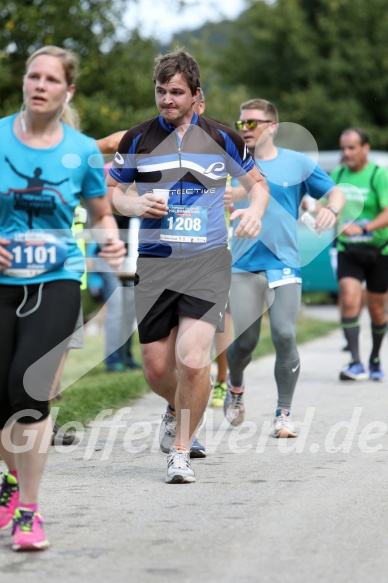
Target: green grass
(98,390)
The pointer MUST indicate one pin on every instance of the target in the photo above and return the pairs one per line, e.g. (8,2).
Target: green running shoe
(219,394)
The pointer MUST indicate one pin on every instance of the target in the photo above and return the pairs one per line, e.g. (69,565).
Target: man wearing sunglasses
(267,270)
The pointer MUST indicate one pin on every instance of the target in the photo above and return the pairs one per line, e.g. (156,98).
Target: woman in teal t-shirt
(45,171)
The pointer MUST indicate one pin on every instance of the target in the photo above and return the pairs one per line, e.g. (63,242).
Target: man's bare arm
(258,194)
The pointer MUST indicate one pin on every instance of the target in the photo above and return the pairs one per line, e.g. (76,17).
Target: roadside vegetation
(98,390)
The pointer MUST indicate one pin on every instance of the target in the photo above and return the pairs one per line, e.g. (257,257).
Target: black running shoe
(58,438)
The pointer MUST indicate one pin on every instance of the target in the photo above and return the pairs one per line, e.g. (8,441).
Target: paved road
(308,510)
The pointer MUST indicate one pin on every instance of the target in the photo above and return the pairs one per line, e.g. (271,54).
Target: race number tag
(184,224)
(34,253)
(277,277)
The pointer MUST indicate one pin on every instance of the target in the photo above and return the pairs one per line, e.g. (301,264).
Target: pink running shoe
(9,498)
(27,531)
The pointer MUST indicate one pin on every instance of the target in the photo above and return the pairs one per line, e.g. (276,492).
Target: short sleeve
(380,185)
(93,184)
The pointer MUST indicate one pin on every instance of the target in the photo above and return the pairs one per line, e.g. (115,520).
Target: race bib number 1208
(185,224)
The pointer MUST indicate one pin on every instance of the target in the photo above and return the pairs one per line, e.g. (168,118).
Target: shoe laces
(235,405)
(283,419)
(179,459)
(236,400)
(170,422)
(24,520)
(6,492)
(219,390)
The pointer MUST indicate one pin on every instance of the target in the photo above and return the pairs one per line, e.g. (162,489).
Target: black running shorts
(165,289)
(375,274)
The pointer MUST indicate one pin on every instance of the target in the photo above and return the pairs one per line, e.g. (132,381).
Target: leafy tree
(26,26)
(222,101)
(321,62)
(114,89)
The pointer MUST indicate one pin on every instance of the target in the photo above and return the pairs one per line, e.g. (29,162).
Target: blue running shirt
(194,170)
(290,176)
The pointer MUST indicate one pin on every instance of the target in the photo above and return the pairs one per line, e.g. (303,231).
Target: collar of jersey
(171,128)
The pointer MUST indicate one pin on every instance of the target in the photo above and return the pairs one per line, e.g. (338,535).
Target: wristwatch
(333,209)
(364,231)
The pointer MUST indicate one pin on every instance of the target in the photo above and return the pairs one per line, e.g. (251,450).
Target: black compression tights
(31,347)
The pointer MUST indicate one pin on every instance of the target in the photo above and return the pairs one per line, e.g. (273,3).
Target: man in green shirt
(362,256)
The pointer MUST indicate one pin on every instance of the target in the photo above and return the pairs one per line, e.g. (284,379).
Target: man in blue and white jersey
(267,270)
(183,270)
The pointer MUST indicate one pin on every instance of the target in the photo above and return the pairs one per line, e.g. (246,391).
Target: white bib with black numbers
(34,253)
(184,224)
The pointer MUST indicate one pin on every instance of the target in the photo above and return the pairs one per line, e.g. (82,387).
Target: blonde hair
(70,64)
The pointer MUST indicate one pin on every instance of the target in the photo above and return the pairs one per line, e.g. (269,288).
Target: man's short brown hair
(267,107)
(364,138)
(178,61)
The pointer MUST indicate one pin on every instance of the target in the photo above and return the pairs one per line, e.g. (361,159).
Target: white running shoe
(283,426)
(234,409)
(179,470)
(167,432)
